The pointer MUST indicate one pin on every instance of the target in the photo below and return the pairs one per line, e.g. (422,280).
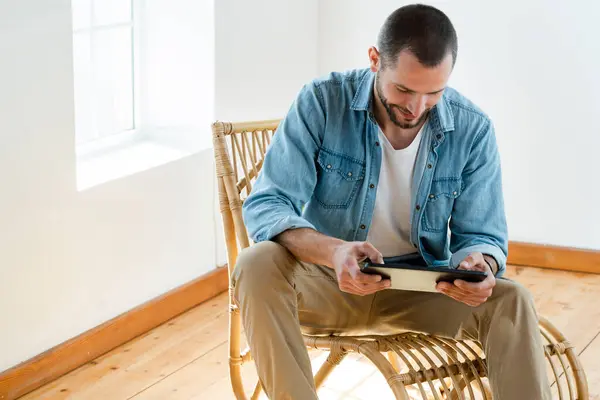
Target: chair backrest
(239,150)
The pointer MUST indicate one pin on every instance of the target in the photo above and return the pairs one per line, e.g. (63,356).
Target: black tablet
(419,278)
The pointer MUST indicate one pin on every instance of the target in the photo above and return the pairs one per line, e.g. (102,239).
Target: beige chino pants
(280,298)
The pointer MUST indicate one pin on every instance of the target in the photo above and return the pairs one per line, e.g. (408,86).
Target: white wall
(71,260)
(265,51)
(532,66)
(176,47)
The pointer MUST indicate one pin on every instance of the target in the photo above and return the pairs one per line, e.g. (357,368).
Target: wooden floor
(186,358)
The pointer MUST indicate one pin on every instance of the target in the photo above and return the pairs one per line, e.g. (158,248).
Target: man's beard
(389,108)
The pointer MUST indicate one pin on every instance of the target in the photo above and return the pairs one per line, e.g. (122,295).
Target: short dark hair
(423,30)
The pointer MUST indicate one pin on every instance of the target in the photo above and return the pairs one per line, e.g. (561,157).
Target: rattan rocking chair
(440,368)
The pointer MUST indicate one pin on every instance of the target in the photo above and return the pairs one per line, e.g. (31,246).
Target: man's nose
(417,105)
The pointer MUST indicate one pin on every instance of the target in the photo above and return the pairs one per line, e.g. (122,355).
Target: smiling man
(385,163)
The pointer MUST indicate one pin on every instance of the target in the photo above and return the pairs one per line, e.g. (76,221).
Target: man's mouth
(406,115)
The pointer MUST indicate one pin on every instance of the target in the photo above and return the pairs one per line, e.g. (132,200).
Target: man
(380,163)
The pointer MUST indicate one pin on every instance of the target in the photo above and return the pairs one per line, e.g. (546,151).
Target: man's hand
(350,279)
(472,294)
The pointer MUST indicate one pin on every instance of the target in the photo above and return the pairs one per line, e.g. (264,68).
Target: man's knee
(259,268)
(509,292)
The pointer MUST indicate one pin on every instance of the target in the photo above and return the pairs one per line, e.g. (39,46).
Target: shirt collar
(364,93)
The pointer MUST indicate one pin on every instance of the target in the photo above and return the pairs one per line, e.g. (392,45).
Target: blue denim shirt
(322,171)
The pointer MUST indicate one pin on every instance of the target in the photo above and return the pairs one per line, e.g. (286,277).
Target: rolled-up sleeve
(289,174)
(478,222)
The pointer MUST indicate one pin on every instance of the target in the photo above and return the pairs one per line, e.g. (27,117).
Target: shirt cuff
(282,225)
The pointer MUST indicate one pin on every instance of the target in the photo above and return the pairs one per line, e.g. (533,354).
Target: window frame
(126,136)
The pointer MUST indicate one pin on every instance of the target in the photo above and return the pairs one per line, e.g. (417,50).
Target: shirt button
(349,173)
(376,143)
(431,196)
(363,227)
(371,186)
(439,136)
(418,207)
(455,193)
(429,166)
(329,166)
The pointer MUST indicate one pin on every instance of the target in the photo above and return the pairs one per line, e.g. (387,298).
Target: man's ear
(374,59)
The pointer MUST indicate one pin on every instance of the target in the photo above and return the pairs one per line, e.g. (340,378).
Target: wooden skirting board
(88,346)
(553,257)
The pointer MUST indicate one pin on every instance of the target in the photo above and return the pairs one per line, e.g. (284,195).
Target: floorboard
(130,368)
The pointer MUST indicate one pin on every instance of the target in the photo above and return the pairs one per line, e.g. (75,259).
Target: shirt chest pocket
(338,179)
(440,201)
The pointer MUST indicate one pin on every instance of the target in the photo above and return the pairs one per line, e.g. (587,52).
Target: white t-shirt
(390,226)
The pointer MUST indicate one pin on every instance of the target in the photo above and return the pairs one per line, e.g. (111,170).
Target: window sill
(105,161)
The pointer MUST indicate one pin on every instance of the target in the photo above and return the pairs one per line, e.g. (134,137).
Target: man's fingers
(470,301)
(456,296)
(358,276)
(372,253)
(463,296)
(454,291)
(376,287)
(372,287)
(363,290)
(383,284)
(480,291)
(475,287)
(347,280)
(349,286)
(467,263)
(471,261)
(449,287)
(353,280)
(361,277)
(365,284)
(375,282)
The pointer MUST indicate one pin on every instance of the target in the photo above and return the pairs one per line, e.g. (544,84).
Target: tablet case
(419,278)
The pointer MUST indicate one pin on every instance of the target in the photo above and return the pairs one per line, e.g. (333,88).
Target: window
(103,67)
(143,84)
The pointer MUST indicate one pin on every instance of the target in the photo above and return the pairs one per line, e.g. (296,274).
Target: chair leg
(257,391)
(235,358)
(237,385)
(385,367)
(332,361)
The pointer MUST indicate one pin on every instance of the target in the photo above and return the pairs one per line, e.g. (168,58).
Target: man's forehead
(410,74)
